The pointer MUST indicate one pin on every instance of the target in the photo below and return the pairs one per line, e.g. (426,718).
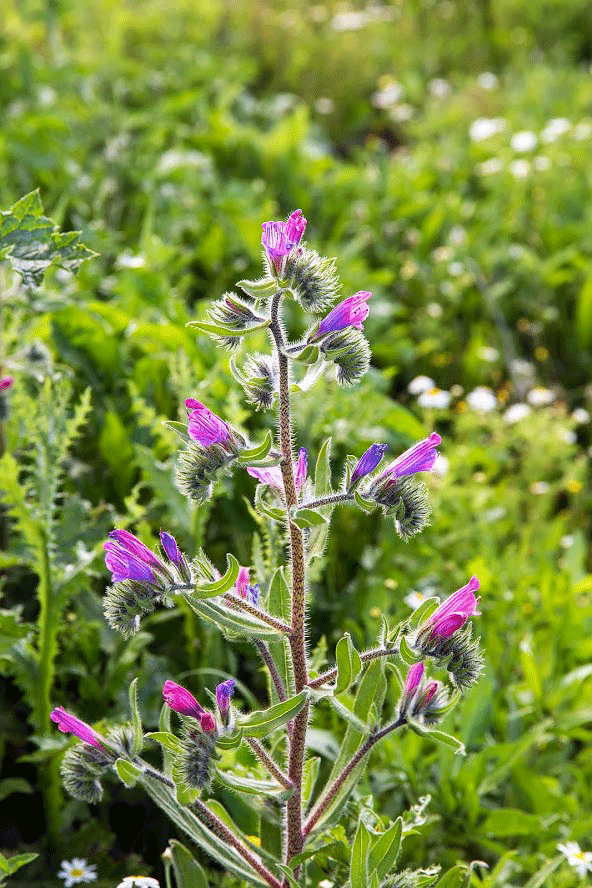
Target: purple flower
(129,559)
(272,477)
(6,382)
(301,468)
(180,700)
(429,692)
(242,584)
(452,613)
(69,724)
(207,723)
(224,692)
(204,426)
(414,676)
(280,238)
(368,462)
(169,544)
(253,594)
(352,312)
(419,458)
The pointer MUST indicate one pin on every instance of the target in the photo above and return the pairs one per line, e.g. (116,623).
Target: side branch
(273,672)
(365,657)
(262,615)
(269,763)
(333,500)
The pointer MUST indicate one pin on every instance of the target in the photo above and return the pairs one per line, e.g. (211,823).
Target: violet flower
(171,549)
(453,612)
(242,584)
(301,469)
(224,692)
(419,458)
(129,559)
(180,700)
(273,475)
(367,463)
(352,312)
(69,724)
(204,426)
(6,382)
(280,238)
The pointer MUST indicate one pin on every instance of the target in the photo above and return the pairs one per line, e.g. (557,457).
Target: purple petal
(352,312)
(224,692)
(243,581)
(6,382)
(462,602)
(368,462)
(419,458)
(169,544)
(204,426)
(413,679)
(272,476)
(294,227)
(301,468)
(69,724)
(179,699)
(128,542)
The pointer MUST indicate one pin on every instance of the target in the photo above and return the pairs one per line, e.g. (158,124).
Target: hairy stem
(333,499)
(330,793)
(262,615)
(295,839)
(273,672)
(269,763)
(365,656)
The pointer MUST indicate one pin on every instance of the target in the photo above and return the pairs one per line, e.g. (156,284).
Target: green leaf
(454,878)
(136,720)
(349,716)
(366,506)
(309,778)
(10,865)
(188,872)
(221,614)
(385,850)
(218,587)
(289,874)
(542,877)
(273,512)
(180,428)
(584,313)
(359,857)
(127,772)
(308,355)
(221,330)
(318,535)
(167,740)
(305,518)
(440,736)
(261,289)
(264,721)
(506,822)
(30,242)
(254,454)
(230,741)
(279,604)
(407,655)
(425,610)
(253,785)
(348,662)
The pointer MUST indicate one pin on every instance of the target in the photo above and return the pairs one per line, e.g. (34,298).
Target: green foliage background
(167,134)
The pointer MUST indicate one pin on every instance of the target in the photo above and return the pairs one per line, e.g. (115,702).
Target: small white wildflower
(139,882)
(516,251)
(456,390)
(324,105)
(567,541)
(455,269)
(441,465)
(434,310)
(482,399)
(420,384)
(485,127)
(516,413)
(521,368)
(540,397)
(580,860)
(47,96)
(487,80)
(402,112)
(580,415)
(520,168)
(415,599)
(457,235)
(568,436)
(555,128)
(441,254)
(76,872)
(439,88)
(539,487)
(488,353)
(524,141)
(541,163)
(387,96)
(437,398)
(490,167)
(176,159)
(582,131)
(349,21)
(126,260)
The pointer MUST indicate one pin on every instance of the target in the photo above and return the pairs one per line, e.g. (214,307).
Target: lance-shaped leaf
(218,587)
(440,736)
(230,741)
(128,773)
(279,604)
(180,429)
(359,857)
(188,872)
(222,330)
(136,721)
(273,512)
(349,716)
(455,877)
(318,535)
(167,740)
(253,785)
(223,853)
(365,505)
(308,355)
(289,874)
(224,616)
(265,721)
(407,655)
(309,778)
(30,242)
(304,518)
(255,454)
(348,663)
(261,289)
(385,850)
(425,610)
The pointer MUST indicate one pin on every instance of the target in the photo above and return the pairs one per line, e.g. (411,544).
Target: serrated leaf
(407,655)
(222,615)
(261,289)
(218,587)
(385,850)
(423,612)
(128,773)
(257,453)
(188,872)
(167,740)
(348,663)
(263,722)
(136,720)
(253,785)
(359,857)
(180,428)
(305,518)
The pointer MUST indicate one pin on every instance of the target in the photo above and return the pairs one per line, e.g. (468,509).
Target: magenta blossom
(6,382)
(242,584)
(280,238)
(204,426)
(69,724)
(207,723)
(273,475)
(301,468)
(352,312)
(414,676)
(224,692)
(452,613)
(419,458)
(129,559)
(180,700)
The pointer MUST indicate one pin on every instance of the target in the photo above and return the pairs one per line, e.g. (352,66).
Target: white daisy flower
(516,413)
(582,130)
(139,882)
(435,398)
(387,96)
(439,88)
(76,871)
(485,127)
(490,167)
(520,168)
(580,415)
(540,397)
(420,384)
(540,487)
(482,399)
(580,860)
(488,353)
(524,141)
(487,80)
(555,128)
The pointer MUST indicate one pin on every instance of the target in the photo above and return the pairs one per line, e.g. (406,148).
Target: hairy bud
(259,380)
(197,468)
(126,602)
(408,503)
(81,770)
(348,349)
(312,279)
(233,312)
(195,762)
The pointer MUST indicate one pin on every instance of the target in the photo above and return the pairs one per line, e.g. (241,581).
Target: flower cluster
(272,477)
(280,238)
(426,701)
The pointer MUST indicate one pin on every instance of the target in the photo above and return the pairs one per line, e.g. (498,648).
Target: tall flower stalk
(274,615)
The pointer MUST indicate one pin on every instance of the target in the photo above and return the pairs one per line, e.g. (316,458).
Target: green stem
(333,500)
(262,615)
(273,672)
(365,656)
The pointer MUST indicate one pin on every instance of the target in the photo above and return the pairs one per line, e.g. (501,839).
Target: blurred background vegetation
(440,149)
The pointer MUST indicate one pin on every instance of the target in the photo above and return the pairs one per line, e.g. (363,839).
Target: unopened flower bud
(224,692)
(312,279)
(367,463)
(349,350)
(235,314)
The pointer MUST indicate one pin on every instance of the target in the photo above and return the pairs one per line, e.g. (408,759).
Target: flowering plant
(298,801)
